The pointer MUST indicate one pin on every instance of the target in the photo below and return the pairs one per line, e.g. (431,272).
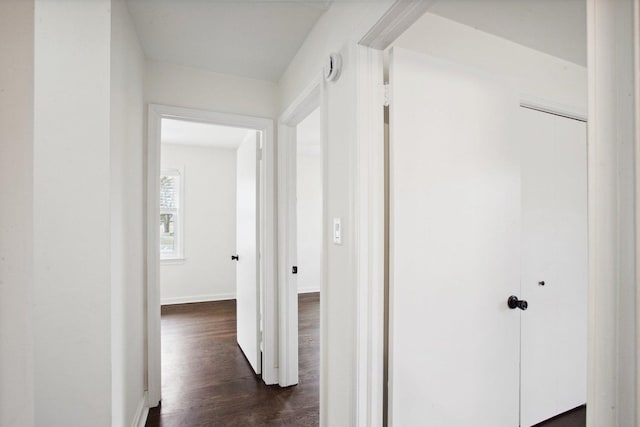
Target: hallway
(206,381)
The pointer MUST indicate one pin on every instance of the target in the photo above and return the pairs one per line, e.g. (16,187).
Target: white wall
(309,212)
(175,85)
(209,202)
(16,212)
(71,203)
(56,364)
(538,75)
(128,288)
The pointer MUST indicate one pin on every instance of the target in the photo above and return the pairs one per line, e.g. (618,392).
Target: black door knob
(513,302)
(235,257)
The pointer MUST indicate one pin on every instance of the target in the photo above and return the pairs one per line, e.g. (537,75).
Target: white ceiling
(249,38)
(556,27)
(203,134)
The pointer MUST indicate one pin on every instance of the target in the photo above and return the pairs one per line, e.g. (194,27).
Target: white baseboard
(308,290)
(140,417)
(197,298)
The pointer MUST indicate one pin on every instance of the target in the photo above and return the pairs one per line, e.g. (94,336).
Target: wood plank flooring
(206,381)
(575,418)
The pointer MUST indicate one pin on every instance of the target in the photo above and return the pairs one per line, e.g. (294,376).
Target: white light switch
(337,231)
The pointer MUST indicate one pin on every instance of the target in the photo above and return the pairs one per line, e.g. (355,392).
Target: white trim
(304,104)
(612,375)
(153,259)
(369,236)
(140,417)
(324,307)
(400,16)
(287,256)
(636,65)
(198,298)
(268,242)
(301,107)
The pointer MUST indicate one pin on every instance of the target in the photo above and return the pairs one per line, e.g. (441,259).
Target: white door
(247,243)
(554,265)
(455,246)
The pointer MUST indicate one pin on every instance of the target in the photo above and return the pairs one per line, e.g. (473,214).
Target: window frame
(178,256)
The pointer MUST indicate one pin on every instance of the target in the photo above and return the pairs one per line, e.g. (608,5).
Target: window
(170,214)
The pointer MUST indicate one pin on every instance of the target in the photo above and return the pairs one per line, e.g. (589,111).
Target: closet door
(554,264)
(455,245)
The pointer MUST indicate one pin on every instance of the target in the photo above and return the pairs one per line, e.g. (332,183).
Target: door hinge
(259,153)
(387,94)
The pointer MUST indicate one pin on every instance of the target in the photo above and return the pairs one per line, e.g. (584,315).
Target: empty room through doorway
(209,236)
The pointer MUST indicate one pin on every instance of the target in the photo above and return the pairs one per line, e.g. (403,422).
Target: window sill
(172,260)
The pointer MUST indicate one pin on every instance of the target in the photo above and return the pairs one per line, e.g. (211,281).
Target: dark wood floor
(574,418)
(206,381)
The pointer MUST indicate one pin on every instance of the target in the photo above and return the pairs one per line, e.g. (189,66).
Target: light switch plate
(337,231)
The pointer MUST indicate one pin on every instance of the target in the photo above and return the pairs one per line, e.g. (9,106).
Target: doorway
(485,196)
(209,260)
(309,198)
(215,230)
(301,243)
(208,218)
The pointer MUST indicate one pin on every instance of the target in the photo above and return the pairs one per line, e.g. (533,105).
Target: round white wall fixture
(332,67)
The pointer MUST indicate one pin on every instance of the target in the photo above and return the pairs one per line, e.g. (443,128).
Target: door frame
(308,100)
(155,114)
(608,220)
(367,217)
